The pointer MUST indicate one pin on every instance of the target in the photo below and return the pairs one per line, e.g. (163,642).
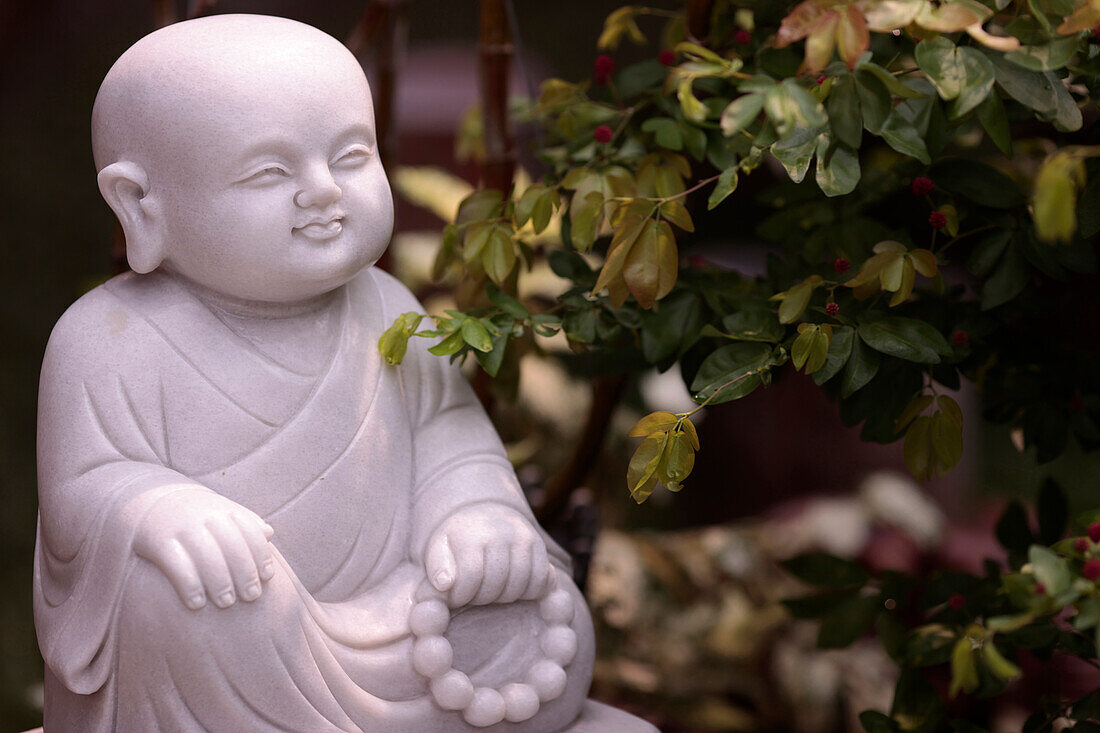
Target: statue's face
(277,194)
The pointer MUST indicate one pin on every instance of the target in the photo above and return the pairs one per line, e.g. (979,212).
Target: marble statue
(248,521)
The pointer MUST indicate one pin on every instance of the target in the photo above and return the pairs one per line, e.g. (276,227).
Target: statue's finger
(256,533)
(174,561)
(439,563)
(495,574)
(212,566)
(238,556)
(540,570)
(519,572)
(471,569)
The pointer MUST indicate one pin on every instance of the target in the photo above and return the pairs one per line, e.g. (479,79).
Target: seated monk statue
(248,520)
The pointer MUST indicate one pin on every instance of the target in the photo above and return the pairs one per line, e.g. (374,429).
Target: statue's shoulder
(101,329)
(396,298)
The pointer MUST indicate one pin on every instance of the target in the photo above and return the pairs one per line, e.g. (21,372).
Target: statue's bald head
(208,72)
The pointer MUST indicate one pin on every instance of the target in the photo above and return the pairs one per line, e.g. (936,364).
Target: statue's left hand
(487,554)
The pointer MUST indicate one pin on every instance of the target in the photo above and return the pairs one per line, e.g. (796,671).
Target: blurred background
(685,588)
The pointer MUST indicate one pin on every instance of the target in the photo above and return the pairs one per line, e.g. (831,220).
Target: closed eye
(268,173)
(353,156)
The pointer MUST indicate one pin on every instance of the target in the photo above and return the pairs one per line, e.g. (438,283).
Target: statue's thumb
(440,564)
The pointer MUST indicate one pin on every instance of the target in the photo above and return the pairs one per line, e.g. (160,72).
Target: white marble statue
(248,521)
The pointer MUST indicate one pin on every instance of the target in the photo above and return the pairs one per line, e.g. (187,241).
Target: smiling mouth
(322,230)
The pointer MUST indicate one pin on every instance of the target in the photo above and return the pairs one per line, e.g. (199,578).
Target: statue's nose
(319,189)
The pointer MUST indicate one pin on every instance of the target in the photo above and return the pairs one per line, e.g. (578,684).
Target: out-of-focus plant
(946,186)
(970,630)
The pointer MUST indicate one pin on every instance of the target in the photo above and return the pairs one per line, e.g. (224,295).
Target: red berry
(1094,531)
(1091,569)
(697,261)
(742,37)
(922,186)
(821,80)
(832,308)
(1040,589)
(960,338)
(603,67)
(603,134)
(1096,31)
(937,219)
(841,264)
(957,601)
(1081,544)
(1076,403)
(667,57)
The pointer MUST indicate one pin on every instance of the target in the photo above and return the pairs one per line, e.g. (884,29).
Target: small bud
(603,134)
(832,308)
(1094,531)
(1081,544)
(841,264)
(821,80)
(1040,589)
(603,68)
(742,37)
(937,220)
(667,57)
(960,338)
(956,601)
(1091,569)
(922,186)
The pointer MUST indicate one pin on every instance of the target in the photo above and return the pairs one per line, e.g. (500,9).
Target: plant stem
(715,393)
(966,234)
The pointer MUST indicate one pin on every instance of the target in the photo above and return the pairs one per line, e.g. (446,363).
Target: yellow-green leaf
(395,340)
(1054,199)
(653,422)
(693,435)
(950,408)
(924,262)
(620,23)
(678,214)
(727,183)
(477,236)
(918,447)
(641,473)
(693,109)
(964,669)
(915,407)
(997,664)
(500,256)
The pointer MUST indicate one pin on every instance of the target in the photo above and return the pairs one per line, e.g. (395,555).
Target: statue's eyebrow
(359,130)
(265,148)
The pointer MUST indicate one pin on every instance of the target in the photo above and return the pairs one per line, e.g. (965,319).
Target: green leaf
(891,82)
(476,335)
(479,206)
(665,131)
(754,322)
(477,236)
(1053,512)
(987,252)
(904,338)
(695,140)
(743,362)
(874,101)
(918,447)
(1046,57)
(981,183)
(844,114)
(837,168)
(997,664)
(500,255)
(491,360)
(1087,707)
(677,460)
(904,138)
(1049,569)
(671,327)
(1008,279)
(506,303)
(825,570)
(1012,529)
(839,350)
(727,183)
(991,113)
(790,107)
(861,368)
(449,345)
(693,109)
(526,204)
(795,153)
(961,74)
(815,605)
(848,622)
(654,422)
(917,705)
(740,113)
(810,349)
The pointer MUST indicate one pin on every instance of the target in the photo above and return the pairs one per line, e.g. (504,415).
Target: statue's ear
(125,186)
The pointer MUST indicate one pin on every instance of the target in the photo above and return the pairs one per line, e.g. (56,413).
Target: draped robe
(146,389)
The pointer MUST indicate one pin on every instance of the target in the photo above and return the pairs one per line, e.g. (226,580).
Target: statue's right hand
(208,546)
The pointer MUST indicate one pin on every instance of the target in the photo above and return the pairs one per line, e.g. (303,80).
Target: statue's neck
(245,308)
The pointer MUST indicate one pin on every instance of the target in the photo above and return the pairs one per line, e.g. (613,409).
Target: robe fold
(147,390)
